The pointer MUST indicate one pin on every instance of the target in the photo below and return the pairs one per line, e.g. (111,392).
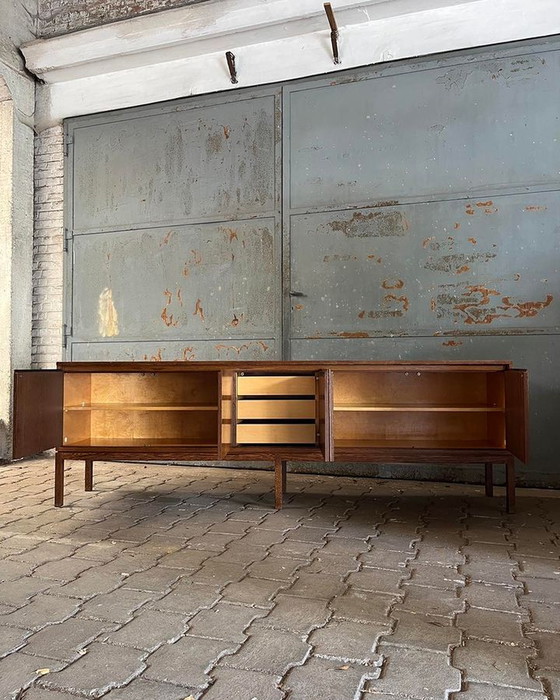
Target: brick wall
(48,249)
(61,16)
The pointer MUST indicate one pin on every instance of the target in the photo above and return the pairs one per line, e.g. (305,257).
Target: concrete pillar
(16,238)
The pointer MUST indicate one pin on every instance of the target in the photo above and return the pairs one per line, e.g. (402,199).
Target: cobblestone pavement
(167,583)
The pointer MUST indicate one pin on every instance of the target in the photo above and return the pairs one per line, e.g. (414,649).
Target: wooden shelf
(428,443)
(141,407)
(139,442)
(423,407)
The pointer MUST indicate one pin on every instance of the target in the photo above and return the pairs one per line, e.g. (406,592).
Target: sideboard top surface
(290,365)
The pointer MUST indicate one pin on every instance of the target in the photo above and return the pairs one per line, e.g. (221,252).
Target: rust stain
(298,307)
(353,334)
(188,354)
(432,304)
(232,235)
(463,268)
(469,210)
(483,205)
(471,307)
(400,300)
(107,316)
(535,208)
(166,238)
(374,224)
(235,320)
(168,318)
(429,242)
(526,309)
(180,296)
(263,345)
(227,131)
(361,314)
(472,240)
(186,271)
(375,257)
(392,284)
(154,358)
(516,277)
(168,295)
(198,310)
(196,257)
(452,343)
(456,225)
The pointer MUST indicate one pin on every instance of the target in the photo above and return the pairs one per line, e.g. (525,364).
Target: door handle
(297,294)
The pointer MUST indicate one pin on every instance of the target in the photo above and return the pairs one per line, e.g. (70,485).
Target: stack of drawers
(276,409)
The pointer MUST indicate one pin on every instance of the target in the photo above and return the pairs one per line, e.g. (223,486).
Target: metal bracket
(66,240)
(67,145)
(230,57)
(66,333)
(334,31)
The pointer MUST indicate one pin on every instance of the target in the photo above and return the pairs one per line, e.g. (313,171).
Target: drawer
(276,433)
(276,385)
(276,408)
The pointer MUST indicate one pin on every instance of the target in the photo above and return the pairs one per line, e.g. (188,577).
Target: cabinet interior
(427,409)
(137,408)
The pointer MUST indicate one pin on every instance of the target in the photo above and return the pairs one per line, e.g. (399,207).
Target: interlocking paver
(156,578)
(430,601)
(237,684)
(217,573)
(65,640)
(97,671)
(539,567)
(253,591)
(269,651)
(224,621)
(493,626)
(386,559)
(89,584)
(378,580)
(343,640)
(442,577)
(185,559)
(42,610)
(117,606)
(332,564)
(477,691)
(496,664)
(11,570)
(11,639)
(141,689)
(276,568)
(548,650)
(545,618)
(18,592)
(149,629)
(363,606)
(187,661)
(324,679)
(18,671)
(432,674)
(302,618)
(188,598)
(316,586)
(541,590)
(419,631)
(66,570)
(492,597)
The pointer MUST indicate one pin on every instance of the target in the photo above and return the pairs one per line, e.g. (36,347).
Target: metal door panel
(464,265)
(184,350)
(206,281)
(427,131)
(214,161)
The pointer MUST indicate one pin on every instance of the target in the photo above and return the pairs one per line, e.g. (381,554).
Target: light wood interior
(131,408)
(276,408)
(423,390)
(276,385)
(276,433)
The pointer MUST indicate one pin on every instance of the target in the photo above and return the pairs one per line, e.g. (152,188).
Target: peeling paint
(353,334)
(472,240)
(452,343)
(535,208)
(375,224)
(108,319)
(298,307)
(458,263)
(188,354)
(198,310)
(168,318)
(166,238)
(227,131)
(392,284)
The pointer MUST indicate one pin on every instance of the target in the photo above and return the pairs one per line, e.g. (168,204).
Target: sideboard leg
(510,485)
(489,478)
(89,475)
(279,482)
(58,480)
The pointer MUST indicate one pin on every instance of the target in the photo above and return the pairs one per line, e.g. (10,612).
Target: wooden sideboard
(379,412)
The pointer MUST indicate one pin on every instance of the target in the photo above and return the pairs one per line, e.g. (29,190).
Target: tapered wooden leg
(58,480)
(279,482)
(489,478)
(510,485)
(89,475)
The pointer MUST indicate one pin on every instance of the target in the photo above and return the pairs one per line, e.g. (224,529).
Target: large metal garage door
(420,208)
(175,232)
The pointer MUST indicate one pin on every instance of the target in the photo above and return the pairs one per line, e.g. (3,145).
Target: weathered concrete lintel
(180,52)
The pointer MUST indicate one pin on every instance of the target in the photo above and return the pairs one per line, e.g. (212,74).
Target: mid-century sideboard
(378,412)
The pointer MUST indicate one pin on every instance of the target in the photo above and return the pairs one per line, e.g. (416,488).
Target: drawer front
(276,434)
(276,385)
(261,409)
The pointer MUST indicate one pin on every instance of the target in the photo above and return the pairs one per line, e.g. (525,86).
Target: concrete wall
(62,16)
(17,100)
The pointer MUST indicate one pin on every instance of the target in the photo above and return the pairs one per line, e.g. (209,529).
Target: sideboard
(376,412)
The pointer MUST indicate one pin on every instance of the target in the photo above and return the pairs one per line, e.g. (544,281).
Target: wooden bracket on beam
(334,31)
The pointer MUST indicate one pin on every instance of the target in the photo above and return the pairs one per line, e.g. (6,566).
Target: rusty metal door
(174,231)
(421,210)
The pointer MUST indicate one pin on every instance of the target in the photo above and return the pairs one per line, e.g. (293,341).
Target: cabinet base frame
(280,467)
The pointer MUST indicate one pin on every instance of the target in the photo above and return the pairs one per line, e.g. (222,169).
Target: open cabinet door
(37,411)
(517,412)
(324,413)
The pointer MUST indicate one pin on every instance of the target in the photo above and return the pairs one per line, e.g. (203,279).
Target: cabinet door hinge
(66,333)
(66,240)
(68,143)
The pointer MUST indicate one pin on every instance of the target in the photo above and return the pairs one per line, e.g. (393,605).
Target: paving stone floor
(169,583)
